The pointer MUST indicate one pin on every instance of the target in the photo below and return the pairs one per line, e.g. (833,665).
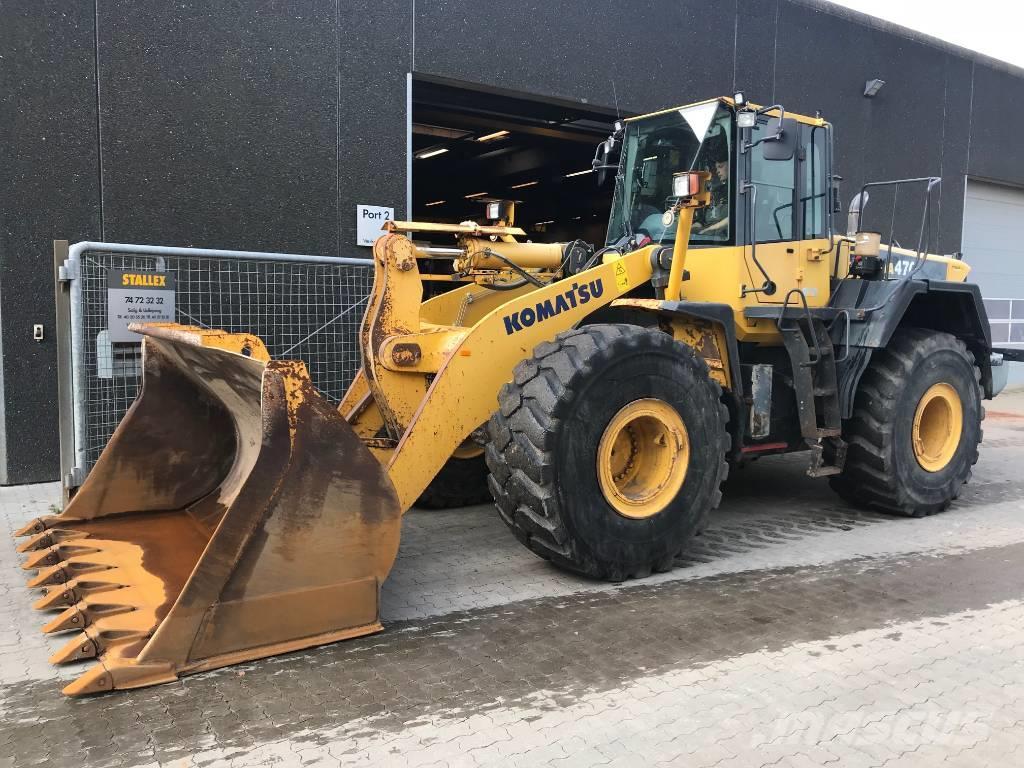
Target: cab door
(785,203)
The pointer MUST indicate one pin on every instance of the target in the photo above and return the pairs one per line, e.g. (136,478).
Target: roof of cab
(728,101)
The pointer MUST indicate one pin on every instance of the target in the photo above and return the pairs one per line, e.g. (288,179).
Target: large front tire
(608,450)
(462,482)
(916,426)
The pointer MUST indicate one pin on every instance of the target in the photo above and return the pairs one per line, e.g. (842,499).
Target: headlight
(746,118)
(685,184)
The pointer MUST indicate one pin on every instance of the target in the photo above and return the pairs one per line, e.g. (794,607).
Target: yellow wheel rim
(470,449)
(938,424)
(643,457)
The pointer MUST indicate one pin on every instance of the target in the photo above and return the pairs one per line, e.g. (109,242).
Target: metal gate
(303,307)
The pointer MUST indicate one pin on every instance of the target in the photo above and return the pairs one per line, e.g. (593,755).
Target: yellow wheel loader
(236,514)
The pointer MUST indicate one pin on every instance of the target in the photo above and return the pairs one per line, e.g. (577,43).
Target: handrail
(818,354)
(803,201)
(845,313)
(932,182)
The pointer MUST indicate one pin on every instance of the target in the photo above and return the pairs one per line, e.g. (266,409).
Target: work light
(685,184)
(746,118)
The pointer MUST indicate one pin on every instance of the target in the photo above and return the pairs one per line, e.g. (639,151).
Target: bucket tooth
(44,558)
(48,538)
(42,540)
(80,648)
(66,571)
(52,576)
(125,618)
(65,596)
(83,614)
(113,674)
(35,527)
(101,640)
(56,598)
(72,618)
(96,679)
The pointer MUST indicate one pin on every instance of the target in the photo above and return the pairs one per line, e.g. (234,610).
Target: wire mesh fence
(307,311)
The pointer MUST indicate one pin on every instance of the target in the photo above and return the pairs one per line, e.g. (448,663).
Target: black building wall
(260,125)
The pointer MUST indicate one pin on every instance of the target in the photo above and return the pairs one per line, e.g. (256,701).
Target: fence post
(65,396)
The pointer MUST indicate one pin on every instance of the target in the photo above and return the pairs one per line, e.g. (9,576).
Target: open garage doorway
(469,146)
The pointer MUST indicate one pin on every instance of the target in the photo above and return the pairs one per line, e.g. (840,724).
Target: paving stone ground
(797,632)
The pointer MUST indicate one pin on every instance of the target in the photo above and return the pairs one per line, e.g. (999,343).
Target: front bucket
(233,515)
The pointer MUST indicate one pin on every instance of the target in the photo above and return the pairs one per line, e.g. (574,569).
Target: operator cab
(770,190)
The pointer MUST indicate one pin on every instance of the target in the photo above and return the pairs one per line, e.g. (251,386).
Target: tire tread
(523,437)
(870,476)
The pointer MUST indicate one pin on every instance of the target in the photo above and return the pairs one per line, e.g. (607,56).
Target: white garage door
(993,244)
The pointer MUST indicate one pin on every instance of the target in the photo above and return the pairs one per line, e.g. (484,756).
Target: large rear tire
(608,450)
(916,426)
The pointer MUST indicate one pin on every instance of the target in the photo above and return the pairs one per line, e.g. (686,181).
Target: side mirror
(606,159)
(780,139)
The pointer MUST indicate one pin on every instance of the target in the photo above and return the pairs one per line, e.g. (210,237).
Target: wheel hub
(938,424)
(642,458)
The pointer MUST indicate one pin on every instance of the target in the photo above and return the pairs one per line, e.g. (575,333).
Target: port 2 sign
(137,297)
(369,220)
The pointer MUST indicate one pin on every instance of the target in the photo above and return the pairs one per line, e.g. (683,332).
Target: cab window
(814,195)
(774,211)
(713,223)
(698,137)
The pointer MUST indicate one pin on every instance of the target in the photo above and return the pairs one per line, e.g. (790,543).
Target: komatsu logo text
(579,293)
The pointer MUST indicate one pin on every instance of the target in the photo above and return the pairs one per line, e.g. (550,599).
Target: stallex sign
(137,297)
